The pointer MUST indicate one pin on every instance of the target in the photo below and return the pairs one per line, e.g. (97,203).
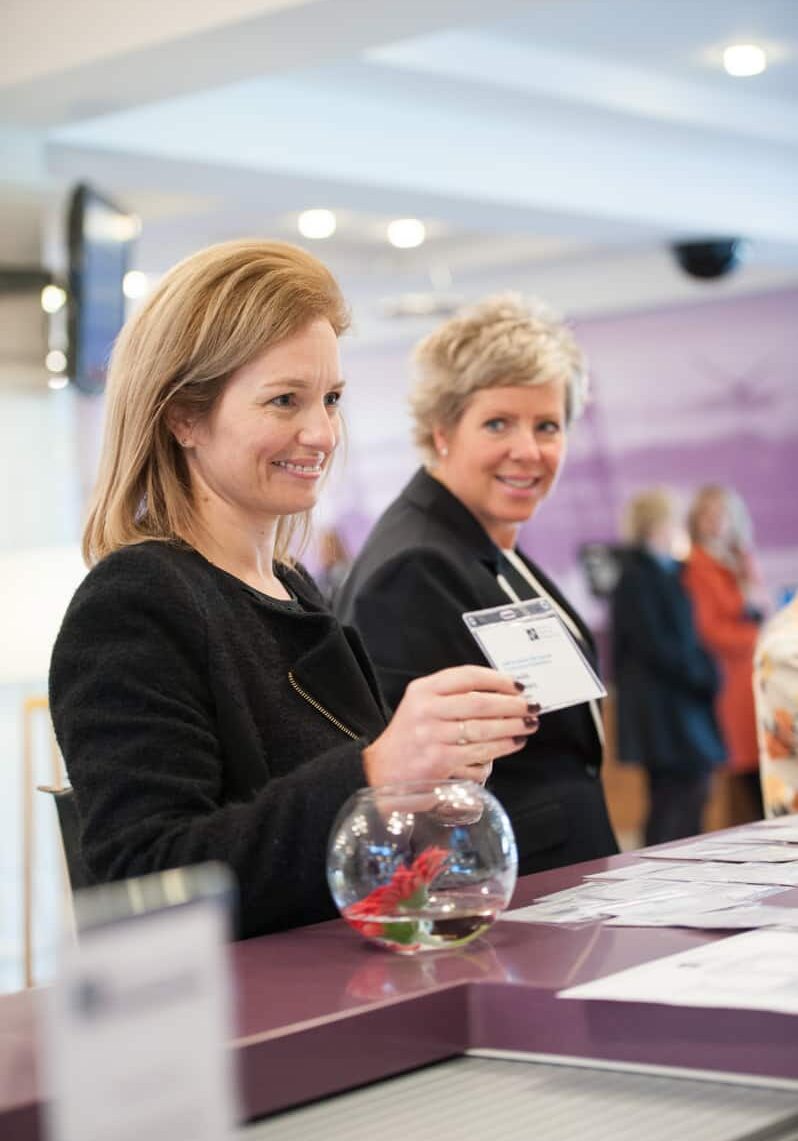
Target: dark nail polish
(531,722)
(520,740)
(533,707)
(519,685)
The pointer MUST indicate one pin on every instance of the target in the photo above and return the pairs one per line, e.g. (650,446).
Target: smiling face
(502,457)
(262,450)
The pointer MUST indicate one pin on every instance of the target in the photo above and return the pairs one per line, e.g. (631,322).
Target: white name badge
(137,1024)
(530,642)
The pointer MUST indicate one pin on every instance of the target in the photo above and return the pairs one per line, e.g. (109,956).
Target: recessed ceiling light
(135,284)
(406,233)
(53,298)
(58,381)
(744,59)
(55,361)
(316,223)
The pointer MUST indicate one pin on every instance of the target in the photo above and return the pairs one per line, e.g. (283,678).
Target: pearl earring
(444,451)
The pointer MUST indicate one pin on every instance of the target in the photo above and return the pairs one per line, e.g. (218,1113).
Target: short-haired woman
(665,680)
(498,387)
(207,703)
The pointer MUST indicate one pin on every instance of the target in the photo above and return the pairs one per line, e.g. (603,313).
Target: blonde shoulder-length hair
(209,315)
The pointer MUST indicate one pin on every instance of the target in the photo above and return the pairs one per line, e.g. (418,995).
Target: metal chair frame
(34,708)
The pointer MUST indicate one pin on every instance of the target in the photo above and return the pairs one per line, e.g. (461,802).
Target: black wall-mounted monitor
(601,564)
(101,238)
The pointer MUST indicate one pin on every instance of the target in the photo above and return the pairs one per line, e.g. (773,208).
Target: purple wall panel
(682,395)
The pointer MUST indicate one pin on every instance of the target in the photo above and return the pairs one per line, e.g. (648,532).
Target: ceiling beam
(338,124)
(61,63)
(626,88)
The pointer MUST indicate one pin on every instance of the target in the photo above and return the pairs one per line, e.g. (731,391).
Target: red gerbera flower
(406,886)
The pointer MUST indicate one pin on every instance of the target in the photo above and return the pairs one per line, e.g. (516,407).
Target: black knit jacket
(201,720)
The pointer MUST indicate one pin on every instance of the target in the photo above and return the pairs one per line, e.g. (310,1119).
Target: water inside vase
(446,919)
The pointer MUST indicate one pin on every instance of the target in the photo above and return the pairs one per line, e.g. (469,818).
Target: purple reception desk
(320,1011)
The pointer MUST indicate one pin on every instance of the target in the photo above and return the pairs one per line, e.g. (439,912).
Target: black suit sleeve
(134,715)
(409,614)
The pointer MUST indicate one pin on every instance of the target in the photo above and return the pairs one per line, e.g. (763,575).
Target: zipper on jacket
(320,708)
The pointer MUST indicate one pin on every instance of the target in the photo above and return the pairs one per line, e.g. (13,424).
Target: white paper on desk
(646,901)
(691,906)
(779,828)
(727,919)
(566,895)
(589,893)
(754,971)
(698,871)
(631,871)
(645,889)
(761,833)
(579,909)
(642,889)
(530,642)
(726,852)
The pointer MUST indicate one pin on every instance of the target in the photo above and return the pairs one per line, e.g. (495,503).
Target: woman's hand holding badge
(452,724)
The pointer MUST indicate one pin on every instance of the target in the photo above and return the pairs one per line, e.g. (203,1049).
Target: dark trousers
(751,789)
(675,806)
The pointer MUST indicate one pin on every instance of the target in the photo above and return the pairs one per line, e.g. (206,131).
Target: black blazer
(426,562)
(665,679)
(201,720)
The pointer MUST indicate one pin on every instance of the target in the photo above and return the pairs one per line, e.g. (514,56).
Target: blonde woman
(497,390)
(207,703)
(665,680)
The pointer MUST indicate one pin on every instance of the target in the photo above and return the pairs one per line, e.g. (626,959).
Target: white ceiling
(526,134)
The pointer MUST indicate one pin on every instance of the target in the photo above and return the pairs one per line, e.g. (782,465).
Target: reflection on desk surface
(472,1098)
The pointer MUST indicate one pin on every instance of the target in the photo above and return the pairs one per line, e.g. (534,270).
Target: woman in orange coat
(721,578)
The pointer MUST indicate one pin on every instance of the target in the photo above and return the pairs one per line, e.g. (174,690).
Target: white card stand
(136,1026)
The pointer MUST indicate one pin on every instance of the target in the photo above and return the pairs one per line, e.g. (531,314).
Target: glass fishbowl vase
(422,865)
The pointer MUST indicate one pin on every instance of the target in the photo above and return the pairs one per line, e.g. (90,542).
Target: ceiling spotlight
(135,284)
(744,59)
(55,361)
(58,381)
(406,233)
(316,223)
(53,298)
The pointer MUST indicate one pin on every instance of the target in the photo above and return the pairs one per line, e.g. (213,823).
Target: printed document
(754,971)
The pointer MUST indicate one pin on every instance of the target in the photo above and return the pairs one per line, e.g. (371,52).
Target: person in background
(776,701)
(665,680)
(334,562)
(497,390)
(207,703)
(721,578)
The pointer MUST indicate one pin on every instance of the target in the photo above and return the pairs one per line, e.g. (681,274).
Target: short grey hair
(503,340)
